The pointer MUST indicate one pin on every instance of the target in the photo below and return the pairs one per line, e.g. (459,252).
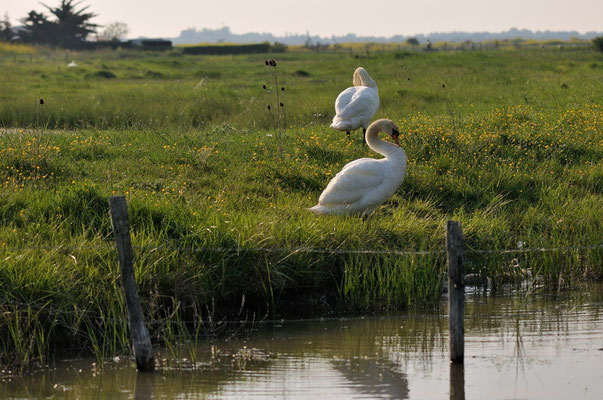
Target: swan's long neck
(388,150)
(362,78)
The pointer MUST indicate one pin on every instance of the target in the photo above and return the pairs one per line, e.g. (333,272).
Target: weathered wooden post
(456,291)
(141,341)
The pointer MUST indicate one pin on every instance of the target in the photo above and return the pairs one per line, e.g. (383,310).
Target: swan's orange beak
(395,135)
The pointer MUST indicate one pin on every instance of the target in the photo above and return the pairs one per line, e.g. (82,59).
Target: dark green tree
(413,41)
(37,28)
(598,42)
(70,28)
(6,32)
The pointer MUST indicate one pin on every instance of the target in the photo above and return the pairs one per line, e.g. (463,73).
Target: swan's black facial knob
(395,134)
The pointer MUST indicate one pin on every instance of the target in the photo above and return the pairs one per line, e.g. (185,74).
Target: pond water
(516,347)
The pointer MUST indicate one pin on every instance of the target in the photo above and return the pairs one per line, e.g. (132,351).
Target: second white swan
(364,184)
(355,106)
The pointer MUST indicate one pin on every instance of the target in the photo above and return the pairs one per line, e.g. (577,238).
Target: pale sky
(161,18)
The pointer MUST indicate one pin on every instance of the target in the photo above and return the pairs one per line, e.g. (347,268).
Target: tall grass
(177,91)
(508,143)
(392,281)
(7,48)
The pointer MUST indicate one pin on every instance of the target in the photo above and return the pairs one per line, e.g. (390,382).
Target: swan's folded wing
(354,181)
(344,99)
(363,101)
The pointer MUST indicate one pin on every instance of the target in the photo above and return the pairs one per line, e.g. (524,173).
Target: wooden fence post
(456,291)
(141,341)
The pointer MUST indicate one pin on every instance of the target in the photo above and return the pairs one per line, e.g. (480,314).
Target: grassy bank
(507,142)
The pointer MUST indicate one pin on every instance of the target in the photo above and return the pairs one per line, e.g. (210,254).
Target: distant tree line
(68,26)
(224,34)
(236,49)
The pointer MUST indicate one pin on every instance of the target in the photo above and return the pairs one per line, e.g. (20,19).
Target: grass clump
(105,74)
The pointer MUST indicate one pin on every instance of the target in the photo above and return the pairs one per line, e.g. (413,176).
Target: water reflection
(347,354)
(457,382)
(144,386)
(516,347)
(373,378)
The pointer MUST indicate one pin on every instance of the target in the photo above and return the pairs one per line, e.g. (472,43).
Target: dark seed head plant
(39,111)
(276,94)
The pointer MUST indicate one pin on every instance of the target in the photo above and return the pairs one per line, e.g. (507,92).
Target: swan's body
(364,184)
(355,106)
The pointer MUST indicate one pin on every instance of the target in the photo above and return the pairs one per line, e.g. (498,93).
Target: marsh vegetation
(506,142)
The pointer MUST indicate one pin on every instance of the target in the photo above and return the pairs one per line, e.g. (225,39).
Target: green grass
(507,142)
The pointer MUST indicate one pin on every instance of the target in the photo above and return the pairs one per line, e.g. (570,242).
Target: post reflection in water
(538,347)
(457,381)
(374,378)
(144,386)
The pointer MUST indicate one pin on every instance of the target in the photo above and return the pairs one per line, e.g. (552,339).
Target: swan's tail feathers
(319,210)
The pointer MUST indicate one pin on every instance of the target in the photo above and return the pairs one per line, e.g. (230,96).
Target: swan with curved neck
(364,184)
(355,106)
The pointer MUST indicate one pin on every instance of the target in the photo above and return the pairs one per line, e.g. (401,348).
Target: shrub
(104,74)
(301,72)
(279,48)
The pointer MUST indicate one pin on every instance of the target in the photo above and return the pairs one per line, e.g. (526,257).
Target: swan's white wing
(353,182)
(363,166)
(355,102)
(344,99)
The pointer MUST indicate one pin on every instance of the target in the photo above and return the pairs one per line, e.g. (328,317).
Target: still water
(516,347)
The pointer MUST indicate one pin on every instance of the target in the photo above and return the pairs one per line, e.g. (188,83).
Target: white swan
(355,106)
(363,184)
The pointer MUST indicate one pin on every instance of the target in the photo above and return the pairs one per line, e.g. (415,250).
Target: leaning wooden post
(141,341)
(456,291)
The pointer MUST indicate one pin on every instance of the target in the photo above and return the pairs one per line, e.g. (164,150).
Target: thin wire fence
(95,316)
(296,250)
